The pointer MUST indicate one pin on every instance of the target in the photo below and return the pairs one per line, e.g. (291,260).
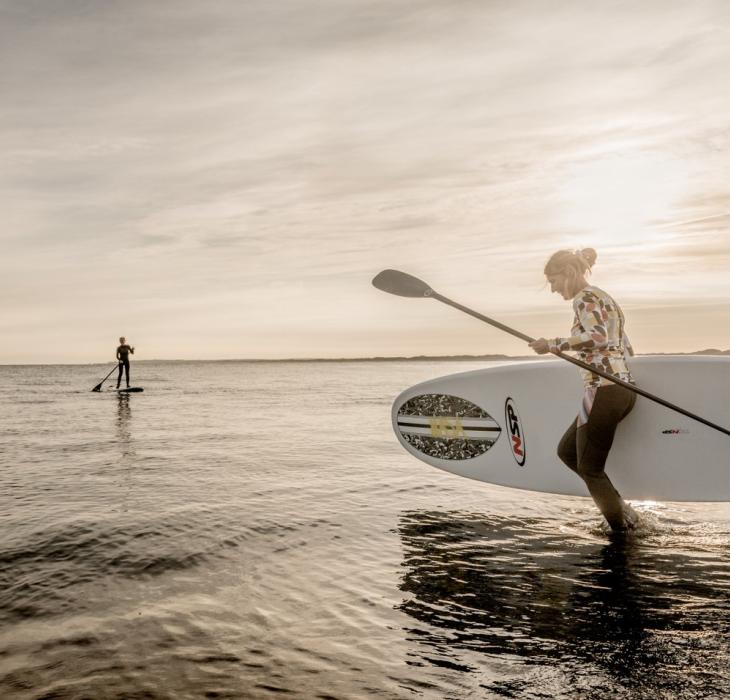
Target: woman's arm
(592,316)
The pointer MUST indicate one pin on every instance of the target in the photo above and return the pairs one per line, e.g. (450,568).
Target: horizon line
(375,358)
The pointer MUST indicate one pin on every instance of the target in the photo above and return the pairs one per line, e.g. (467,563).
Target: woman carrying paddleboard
(598,337)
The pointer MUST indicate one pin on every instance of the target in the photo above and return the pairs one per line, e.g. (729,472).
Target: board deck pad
(456,423)
(447,427)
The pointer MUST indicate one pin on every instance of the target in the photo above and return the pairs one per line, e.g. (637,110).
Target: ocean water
(253,530)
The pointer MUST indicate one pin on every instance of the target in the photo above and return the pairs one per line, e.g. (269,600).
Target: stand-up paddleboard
(502,425)
(128,390)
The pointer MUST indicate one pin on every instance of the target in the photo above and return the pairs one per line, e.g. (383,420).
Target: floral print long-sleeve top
(597,336)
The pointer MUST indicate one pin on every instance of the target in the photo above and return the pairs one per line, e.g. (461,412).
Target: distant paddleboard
(129,390)
(502,425)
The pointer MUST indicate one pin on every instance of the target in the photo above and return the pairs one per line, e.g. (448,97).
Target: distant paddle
(98,386)
(405,285)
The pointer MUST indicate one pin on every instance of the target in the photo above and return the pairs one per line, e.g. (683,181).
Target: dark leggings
(123,365)
(586,449)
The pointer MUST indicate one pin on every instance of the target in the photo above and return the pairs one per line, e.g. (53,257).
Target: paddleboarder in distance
(123,357)
(598,338)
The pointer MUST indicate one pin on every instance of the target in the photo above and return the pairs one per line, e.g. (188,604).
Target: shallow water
(253,530)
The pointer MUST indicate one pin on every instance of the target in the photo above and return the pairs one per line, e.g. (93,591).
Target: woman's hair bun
(579,261)
(589,255)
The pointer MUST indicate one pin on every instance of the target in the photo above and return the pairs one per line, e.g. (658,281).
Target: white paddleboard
(502,425)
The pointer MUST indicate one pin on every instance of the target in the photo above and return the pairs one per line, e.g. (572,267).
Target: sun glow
(618,200)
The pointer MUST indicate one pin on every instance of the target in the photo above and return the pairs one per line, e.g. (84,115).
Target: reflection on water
(124,416)
(602,618)
(127,452)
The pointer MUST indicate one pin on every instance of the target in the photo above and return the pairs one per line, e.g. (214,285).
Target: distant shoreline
(413,358)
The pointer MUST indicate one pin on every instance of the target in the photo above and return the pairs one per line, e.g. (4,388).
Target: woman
(123,351)
(598,337)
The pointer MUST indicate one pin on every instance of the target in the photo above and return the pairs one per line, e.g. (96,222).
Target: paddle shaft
(578,363)
(98,386)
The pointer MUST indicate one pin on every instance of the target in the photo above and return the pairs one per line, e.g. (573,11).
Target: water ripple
(244,530)
(631,614)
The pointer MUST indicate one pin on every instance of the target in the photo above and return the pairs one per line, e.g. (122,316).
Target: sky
(223,179)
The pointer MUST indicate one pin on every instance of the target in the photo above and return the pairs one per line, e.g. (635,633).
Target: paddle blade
(402,284)
(97,388)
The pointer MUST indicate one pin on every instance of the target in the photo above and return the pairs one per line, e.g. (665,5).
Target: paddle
(404,285)
(98,386)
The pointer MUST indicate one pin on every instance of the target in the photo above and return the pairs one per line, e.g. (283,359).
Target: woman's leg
(593,443)
(126,371)
(567,448)
(119,376)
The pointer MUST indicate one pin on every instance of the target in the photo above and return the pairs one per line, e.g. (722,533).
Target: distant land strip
(394,358)
(429,358)
(426,358)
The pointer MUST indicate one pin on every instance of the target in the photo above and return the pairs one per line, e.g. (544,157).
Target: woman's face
(561,283)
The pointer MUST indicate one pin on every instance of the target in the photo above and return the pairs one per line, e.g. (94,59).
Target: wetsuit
(123,357)
(597,336)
